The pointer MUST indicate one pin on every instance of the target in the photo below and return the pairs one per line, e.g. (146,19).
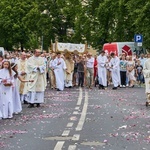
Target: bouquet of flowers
(7,82)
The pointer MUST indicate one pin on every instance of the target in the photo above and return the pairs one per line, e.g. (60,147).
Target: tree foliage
(23,23)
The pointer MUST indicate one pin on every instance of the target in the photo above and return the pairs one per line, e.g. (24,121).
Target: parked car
(118,48)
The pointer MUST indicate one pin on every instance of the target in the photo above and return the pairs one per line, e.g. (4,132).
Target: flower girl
(6,84)
(17,107)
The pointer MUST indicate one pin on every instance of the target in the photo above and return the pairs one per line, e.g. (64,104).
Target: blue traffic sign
(138,38)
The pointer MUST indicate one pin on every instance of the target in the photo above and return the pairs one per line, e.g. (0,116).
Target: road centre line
(75,113)
(72,147)
(77,108)
(83,114)
(69,125)
(80,97)
(66,133)
(59,145)
(76,137)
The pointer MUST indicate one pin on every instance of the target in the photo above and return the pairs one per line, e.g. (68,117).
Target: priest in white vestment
(59,67)
(146,72)
(36,71)
(102,70)
(22,70)
(115,70)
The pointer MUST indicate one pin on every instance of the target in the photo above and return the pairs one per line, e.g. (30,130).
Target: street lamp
(42,43)
(45,12)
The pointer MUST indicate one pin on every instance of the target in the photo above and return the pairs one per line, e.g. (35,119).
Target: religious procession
(24,76)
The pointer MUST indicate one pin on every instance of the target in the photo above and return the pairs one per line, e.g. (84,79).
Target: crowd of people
(24,76)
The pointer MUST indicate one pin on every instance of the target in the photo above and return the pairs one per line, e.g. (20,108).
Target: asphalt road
(81,119)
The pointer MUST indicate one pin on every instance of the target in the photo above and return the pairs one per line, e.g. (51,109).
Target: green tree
(139,11)
(14,32)
(23,23)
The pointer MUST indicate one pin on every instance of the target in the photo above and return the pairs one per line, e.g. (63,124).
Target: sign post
(138,39)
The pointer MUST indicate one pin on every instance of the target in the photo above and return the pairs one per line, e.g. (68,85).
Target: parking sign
(138,38)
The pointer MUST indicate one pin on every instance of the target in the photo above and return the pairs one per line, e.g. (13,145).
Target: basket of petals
(7,84)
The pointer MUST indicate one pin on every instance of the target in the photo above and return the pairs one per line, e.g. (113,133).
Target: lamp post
(42,43)
(45,12)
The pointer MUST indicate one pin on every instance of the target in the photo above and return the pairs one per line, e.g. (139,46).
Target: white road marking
(73,118)
(80,97)
(69,125)
(59,145)
(76,137)
(77,108)
(66,133)
(72,147)
(83,114)
(75,113)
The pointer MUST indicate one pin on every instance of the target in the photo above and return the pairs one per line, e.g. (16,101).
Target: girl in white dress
(0,105)
(6,83)
(17,107)
(1,59)
(131,71)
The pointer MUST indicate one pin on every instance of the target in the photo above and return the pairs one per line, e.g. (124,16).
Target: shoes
(10,117)
(31,106)
(147,104)
(100,86)
(38,105)
(123,86)
(25,102)
(58,89)
(16,113)
(114,88)
(131,86)
(103,88)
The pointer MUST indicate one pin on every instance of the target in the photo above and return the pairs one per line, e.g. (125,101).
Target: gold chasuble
(36,71)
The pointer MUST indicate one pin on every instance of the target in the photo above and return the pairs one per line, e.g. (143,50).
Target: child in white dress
(17,107)
(0,104)
(6,83)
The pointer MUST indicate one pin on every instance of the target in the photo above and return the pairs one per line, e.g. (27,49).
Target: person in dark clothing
(123,71)
(80,70)
(75,72)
